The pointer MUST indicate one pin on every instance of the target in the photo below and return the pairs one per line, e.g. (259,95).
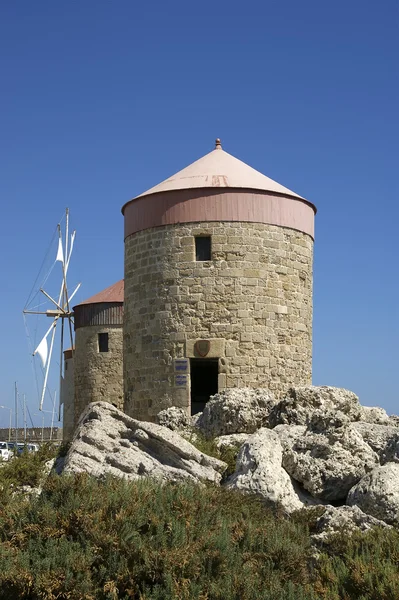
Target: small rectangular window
(103,342)
(203,248)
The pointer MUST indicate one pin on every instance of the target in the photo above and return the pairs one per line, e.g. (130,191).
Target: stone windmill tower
(98,352)
(218,286)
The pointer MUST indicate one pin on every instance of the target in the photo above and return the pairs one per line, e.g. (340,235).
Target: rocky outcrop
(374,414)
(109,442)
(329,461)
(174,418)
(241,410)
(233,440)
(316,446)
(377,493)
(259,471)
(383,439)
(343,519)
(300,404)
(288,434)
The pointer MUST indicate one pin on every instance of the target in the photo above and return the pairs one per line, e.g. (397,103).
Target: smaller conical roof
(113,293)
(219,169)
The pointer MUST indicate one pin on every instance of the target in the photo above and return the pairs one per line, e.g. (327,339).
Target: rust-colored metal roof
(113,293)
(219,169)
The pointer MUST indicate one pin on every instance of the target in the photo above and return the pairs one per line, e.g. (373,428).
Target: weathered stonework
(98,375)
(255,295)
(67,396)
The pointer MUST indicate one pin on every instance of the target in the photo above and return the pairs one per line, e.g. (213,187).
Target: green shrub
(26,468)
(88,539)
(364,566)
(112,539)
(208,446)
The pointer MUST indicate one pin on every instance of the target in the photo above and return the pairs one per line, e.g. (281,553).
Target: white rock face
(316,446)
(377,494)
(259,471)
(232,440)
(383,439)
(236,411)
(394,420)
(288,434)
(300,403)
(323,420)
(174,418)
(108,441)
(374,414)
(329,463)
(343,518)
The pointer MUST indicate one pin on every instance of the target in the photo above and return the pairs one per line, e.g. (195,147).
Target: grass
(88,539)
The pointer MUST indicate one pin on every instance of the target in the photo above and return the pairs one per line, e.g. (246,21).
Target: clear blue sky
(101,100)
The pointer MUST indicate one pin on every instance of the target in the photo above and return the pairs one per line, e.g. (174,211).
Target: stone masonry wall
(67,398)
(98,375)
(253,300)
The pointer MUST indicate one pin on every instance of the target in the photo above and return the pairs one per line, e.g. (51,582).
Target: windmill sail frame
(61,311)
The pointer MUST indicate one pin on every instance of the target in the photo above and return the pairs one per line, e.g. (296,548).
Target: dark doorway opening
(204,382)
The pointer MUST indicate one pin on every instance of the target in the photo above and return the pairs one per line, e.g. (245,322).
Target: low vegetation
(111,539)
(227,454)
(26,468)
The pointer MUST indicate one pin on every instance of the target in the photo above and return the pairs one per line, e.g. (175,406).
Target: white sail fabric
(42,350)
(60,253)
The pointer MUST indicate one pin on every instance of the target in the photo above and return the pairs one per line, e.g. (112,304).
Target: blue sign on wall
(181,365)
(181,380)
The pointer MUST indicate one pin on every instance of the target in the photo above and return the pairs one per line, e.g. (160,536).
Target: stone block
(262,362)
(216,350)
(246,337)
(222,381)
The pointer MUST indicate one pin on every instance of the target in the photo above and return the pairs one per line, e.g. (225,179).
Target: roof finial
(218,144)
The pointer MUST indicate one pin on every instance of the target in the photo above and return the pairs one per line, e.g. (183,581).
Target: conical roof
(113,293)
(219,169)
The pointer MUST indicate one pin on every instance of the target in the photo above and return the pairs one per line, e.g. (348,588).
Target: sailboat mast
(16,414)
(24,409)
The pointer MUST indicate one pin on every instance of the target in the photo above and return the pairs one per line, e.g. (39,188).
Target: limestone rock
(321,421)
(27,490)
(374,414)
(108,441)
(232,440)
(383,439)
(236,410)
(259,471)
(393,420)
(377,494)
(288,434)
(48,467)
(329,463)
(174,418)
(343,518)
(195,418)
(300,403)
